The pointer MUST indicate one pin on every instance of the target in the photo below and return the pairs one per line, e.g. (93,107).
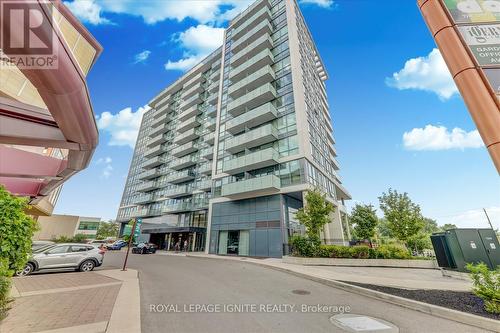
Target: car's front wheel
(27,270)
(87,266)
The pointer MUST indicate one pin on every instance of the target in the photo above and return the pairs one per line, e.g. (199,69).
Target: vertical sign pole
(128,247)
(489,221)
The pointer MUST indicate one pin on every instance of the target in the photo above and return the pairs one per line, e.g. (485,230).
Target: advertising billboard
(484,42)
(474,11)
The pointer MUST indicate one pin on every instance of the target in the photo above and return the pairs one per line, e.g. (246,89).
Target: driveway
(186,294)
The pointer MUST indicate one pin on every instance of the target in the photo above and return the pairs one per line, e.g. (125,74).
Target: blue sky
(398,119)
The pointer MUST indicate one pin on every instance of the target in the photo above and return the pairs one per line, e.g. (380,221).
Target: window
(59,249)
(78,248)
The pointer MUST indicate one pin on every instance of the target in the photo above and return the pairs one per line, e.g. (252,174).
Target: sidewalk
(405,278)
(99,301)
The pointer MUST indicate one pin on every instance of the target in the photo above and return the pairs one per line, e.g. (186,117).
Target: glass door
(233,240)
(244,242)
(222,242)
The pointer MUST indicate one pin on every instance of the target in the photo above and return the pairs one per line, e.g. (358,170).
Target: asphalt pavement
(185,294)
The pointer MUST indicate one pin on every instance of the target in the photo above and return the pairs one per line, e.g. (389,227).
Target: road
(178,294)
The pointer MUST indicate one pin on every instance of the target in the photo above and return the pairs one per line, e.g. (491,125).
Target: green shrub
(79,238)
(359,252)
(486,285)
(302,246)
(391,252)
(5,282)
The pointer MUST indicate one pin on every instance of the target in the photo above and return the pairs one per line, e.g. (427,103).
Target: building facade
(55,226)
(227,152)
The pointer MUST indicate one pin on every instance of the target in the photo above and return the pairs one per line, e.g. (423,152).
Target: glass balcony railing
(248,50)
(254,80)
(189,123)
(184,162)
(190,112)
(238,20)
(205,168)
(204,185)
(153,162)
(207,153)
(263,14)
(197,88)
(264,57)
(193,100)
(187,136)
(253,118)
(256,160)
(147,186)
(264,184)
(180,176)
(185,149)
(256,137)
(140,213)
(158,150)
(252,99)
(149,174)
(159,139)
(158,121)
(143,198)
(177,207)
(179,191)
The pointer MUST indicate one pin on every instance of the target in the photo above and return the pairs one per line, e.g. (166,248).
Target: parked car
(35,245)
(117,245)
(144,248)
(81,257)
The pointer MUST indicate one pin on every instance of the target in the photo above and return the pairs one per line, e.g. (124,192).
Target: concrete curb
(394,263)
(435,310)
(126,314)
(456,275)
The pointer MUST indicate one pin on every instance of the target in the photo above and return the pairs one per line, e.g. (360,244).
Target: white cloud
(107,167)
(439,138)
(142,56)
(122,126)
(87,11)
(474,218)
(321,3)
(197,42)
(153,11)
(428,73)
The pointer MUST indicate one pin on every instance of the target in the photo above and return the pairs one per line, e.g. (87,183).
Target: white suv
(82,257)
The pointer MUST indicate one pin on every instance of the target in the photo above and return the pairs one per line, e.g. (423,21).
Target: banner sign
(484,42)
(474,11)
(493,75)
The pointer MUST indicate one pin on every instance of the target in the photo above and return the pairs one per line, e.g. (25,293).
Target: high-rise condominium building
(226,153)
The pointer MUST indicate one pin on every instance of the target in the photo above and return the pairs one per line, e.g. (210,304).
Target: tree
(448,226)
(315,214)
(403,216)
(16,230)
(382,229)
(107,229)
(430,226)
(365,220)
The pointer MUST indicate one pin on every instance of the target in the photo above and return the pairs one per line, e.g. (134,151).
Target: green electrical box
(456,247)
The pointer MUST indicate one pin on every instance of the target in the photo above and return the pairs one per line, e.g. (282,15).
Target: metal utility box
(456,247)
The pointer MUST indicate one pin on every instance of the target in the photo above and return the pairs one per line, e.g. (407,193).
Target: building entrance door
(233,240)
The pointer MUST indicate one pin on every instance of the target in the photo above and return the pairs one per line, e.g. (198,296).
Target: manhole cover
(300,292)
(359,323)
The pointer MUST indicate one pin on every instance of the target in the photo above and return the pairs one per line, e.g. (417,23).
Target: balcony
(215,76)
(149,174)
(211,111)
(239,19)
(197,88)
(188,124)
(248,50)
(193,80)
(162,128)
(213,87)
(207,153)
(158,150)
(179,191)
(252,161)
(180,176)
(159,139)
(147,186)
(205,168)
(212,100)
(178,207)
(140,213)
(256,137)
(190,135)
(160,111)
(262,15)
(209,138)
(265,184)
(252,118)
(193,100)
(210,123)
(143,198)
(258,61)
(184,162)
(205,185)
(256,97)
(258,78)
(191,112)
(185,149)
(153,162)
(158,121)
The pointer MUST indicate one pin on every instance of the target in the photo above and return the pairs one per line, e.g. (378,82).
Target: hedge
(302,247)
